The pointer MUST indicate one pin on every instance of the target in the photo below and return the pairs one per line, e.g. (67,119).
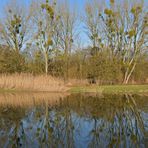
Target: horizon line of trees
(45,37)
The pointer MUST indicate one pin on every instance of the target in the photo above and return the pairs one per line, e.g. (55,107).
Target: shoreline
(112,89)
(109,89)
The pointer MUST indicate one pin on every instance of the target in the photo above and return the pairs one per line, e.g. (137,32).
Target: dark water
(77,120)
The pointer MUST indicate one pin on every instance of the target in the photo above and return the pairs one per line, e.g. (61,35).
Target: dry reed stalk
(29,82)
(78,82)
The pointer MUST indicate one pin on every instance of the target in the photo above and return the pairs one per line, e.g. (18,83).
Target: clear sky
(79,3)
(3,2)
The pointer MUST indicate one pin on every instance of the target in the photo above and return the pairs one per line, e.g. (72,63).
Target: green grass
(6,90)
(110,89)
(113,89)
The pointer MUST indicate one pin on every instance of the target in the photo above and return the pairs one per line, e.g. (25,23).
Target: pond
(73,120)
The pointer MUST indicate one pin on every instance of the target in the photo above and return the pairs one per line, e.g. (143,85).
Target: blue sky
(79,3)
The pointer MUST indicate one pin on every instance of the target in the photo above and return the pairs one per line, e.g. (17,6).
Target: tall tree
(135,38)
(15,26)
(93,24)
(123,31)
(46,19)
(68,22)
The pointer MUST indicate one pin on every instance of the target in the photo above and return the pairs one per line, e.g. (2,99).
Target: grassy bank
(112,89)
(42,83)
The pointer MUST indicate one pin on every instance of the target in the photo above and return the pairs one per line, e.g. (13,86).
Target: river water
(34,120)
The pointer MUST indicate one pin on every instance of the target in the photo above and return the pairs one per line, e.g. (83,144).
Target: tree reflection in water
(78,120)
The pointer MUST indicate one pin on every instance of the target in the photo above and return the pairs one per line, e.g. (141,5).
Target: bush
(11,61)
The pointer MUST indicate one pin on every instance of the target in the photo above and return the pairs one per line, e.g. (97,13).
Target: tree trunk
(66,67)
(66,73)
(46,63)
(128,74)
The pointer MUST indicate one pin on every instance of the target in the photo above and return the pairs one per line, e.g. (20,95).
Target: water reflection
(77,120)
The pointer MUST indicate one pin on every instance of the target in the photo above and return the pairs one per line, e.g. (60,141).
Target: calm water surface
(76,120)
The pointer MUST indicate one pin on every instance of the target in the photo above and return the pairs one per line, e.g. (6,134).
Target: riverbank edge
(109,89)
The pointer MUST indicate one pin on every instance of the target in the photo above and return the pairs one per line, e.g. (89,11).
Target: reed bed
(28,82)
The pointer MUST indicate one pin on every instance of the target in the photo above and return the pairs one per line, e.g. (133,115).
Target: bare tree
(68,33)
(15,27)
(93,23)
(46,20)
(135,39)
(122,28)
